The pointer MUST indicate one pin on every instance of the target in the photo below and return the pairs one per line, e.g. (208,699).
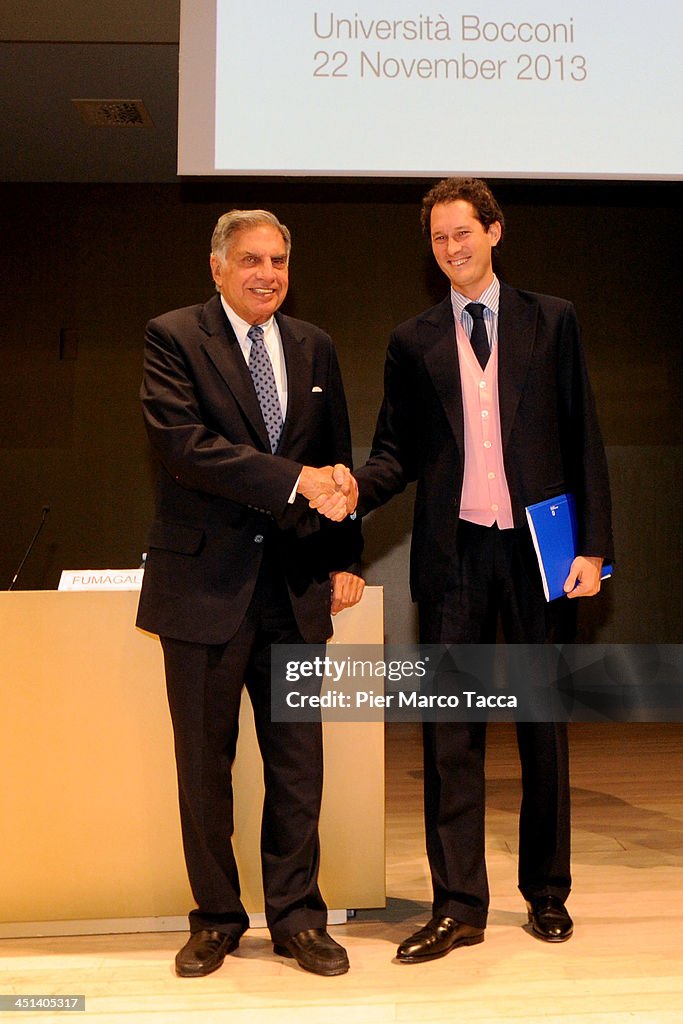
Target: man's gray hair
(237,220)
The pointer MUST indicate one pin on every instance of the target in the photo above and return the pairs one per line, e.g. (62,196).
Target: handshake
(332,490)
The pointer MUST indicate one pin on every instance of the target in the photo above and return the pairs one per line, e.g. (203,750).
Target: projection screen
(583,89)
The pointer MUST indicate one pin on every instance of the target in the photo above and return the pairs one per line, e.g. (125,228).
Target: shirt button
(494,508)
(484,414)
(482,384)
(487,444)
(258,539)
(492,476)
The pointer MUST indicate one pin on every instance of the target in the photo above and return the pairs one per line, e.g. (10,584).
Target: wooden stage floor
(624,963)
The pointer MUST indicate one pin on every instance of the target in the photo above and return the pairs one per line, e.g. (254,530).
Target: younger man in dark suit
(241,404)
(487,405)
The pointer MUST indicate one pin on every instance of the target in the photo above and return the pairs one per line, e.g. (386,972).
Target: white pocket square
(316,388)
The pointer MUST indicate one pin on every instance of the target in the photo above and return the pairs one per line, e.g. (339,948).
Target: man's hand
(343,478)
(347,590)
(331,490)
(346,485)
(584,576)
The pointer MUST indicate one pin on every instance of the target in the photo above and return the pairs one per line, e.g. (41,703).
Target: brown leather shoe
(204,952)
(438,937)
(315,951)
(549,919)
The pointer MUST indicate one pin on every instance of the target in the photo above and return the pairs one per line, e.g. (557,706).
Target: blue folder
(554,532)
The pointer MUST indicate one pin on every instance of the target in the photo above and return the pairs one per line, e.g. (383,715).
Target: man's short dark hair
(470,190)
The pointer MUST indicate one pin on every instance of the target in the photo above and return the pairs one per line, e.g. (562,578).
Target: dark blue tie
(479,339)
(261,370)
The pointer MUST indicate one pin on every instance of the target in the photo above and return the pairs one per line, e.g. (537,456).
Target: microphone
(41,524)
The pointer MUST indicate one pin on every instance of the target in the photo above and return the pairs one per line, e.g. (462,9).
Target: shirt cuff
(294,490)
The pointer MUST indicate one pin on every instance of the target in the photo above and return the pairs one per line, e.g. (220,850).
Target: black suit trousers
(204,684)
(496,589)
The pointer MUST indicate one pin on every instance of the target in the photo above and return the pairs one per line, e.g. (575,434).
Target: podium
(88,795)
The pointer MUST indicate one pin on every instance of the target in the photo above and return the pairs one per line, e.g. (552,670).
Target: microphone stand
(41,524)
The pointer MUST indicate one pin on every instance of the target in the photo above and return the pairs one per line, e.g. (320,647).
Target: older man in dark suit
(488,407)
(241,405)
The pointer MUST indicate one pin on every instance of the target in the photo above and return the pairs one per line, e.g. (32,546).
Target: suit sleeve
(582,445)
(393,460)
(196,456)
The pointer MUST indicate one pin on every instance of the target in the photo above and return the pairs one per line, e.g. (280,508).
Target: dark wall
(85,266)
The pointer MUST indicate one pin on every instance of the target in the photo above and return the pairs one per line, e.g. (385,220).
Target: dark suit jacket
(222,497)
(551,438)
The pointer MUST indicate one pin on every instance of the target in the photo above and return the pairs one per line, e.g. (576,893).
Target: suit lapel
(517,324)
(437,329)
(224,351)
(299,376)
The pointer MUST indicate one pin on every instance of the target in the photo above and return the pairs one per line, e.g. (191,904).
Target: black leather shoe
(438,937)
(315,951)
(204,952)
(549,919)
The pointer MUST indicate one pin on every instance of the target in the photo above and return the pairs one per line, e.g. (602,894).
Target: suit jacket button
(258,539)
